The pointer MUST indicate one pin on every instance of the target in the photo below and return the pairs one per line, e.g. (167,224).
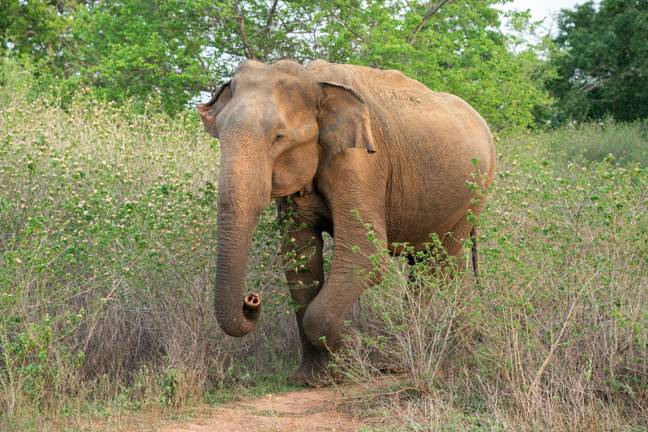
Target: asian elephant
(328,142)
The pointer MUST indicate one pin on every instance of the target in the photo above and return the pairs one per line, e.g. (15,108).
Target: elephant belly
(430,195)
(438,149)
(415,225)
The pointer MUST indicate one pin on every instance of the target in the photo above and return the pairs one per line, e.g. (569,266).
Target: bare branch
(433,9)
(597,82)
(271,15)
(534,385)
(591,86)
(345,25)
(249,52)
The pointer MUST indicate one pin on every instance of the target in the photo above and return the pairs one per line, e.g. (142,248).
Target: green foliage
(138,48)
(265,30)
(16,80)
(173,50)
(35,27)
(458,49)
(621,143)
(130,49)
(601,58)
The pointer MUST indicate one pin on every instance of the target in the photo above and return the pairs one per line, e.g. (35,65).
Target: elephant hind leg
(453,242)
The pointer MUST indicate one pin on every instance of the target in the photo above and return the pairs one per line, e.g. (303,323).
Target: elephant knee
(320,327)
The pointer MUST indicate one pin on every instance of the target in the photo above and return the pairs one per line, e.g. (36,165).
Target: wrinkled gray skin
(337,138)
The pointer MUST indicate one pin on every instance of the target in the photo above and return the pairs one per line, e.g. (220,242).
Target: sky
(543,8)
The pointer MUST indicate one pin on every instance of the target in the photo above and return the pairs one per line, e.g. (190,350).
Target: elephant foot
(313,370)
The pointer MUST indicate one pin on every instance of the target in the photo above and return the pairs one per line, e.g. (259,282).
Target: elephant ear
(210,110)
(343,120)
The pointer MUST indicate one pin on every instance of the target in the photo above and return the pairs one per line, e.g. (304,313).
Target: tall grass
(624,143)
(107,238)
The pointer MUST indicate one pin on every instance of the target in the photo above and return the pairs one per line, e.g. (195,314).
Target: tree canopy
(601,59)
(175,49)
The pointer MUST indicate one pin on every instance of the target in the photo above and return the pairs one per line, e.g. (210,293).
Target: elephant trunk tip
(252,306)
(246,321)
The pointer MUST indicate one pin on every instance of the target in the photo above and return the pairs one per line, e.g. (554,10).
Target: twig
(249,53)
(271,15)
(345,25)
(431,11)
(554,345)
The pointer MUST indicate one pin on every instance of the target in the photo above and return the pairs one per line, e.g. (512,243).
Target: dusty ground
(303,410)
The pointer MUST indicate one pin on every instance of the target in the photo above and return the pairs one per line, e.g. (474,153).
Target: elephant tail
(475,252)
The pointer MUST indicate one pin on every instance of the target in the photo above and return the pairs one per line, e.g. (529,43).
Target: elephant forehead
(266,82)
(257,115)
(282,74)
(269,104)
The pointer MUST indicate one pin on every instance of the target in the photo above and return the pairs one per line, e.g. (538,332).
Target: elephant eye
(279,137)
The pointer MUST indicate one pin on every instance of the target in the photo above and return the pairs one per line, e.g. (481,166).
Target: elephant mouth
(281,192)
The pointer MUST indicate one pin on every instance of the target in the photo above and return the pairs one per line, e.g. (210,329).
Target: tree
(265,30)
(178,48)
(601,59)
(453,46)
(140,48)
(36,29)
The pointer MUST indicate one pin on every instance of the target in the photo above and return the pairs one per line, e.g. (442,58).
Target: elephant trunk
(236,315)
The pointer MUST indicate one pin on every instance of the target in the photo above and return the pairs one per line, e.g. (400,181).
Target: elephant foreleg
(302,250)
(352,270)
(357,206)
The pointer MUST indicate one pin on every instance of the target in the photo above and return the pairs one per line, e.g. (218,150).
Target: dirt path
(303,410)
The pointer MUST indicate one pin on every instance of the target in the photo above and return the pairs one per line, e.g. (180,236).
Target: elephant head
(277,126)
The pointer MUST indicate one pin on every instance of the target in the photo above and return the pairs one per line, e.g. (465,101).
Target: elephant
(337,146)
